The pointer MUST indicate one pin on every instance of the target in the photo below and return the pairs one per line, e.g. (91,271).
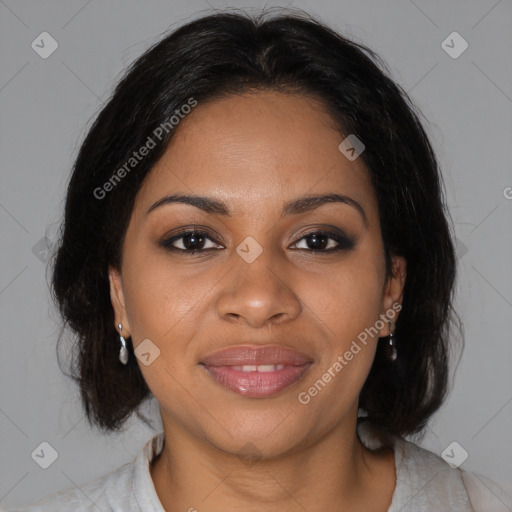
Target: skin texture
(255,152)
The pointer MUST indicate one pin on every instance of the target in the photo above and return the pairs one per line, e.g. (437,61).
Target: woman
(255,235)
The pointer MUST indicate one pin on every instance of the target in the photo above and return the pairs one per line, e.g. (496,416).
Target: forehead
(257,150)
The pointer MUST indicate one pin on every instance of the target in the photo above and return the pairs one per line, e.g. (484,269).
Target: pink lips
(256,371)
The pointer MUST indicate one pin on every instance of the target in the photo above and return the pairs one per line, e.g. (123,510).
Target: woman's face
(255,278)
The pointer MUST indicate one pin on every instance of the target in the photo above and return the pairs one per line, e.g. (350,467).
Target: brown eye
(189,241)
(326,241)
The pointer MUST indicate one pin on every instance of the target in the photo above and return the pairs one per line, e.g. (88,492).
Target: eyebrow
(296,206)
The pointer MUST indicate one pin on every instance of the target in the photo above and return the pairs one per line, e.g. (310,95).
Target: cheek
(347,299)
(346,305)
(161,304)
(159,296)
(169,306)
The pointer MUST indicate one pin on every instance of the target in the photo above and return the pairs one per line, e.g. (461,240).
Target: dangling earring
(123,351)
(391,344)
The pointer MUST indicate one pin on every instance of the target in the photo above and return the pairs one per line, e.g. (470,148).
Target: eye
(189,241)
(325,241)
(195,241)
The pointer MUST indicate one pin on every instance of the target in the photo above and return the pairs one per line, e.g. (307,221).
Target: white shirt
(425,483)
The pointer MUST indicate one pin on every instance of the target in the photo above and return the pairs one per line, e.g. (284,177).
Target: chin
(260,435)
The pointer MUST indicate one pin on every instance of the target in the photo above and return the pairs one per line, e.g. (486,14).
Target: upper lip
(256,355)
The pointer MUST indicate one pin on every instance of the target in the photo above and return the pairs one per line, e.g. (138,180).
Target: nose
(258,294)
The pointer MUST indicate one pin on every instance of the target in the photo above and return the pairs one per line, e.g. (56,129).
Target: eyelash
(344,242)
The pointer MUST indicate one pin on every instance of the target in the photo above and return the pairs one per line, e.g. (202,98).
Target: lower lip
(257,384)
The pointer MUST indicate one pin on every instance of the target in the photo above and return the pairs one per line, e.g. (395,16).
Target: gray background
(47,106)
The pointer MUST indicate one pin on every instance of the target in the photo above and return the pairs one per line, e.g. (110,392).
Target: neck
(336,473)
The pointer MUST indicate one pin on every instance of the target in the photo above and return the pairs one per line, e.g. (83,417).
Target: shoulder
(106,493)
(128,488)
(431,480)
(486,495)
(426,482)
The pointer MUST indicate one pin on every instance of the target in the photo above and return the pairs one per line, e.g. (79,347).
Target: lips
(256,371)
(252,355)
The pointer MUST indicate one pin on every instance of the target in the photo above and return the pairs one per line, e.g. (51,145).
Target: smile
(256,370)
(257,381)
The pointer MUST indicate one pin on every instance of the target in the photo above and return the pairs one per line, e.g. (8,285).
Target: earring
(391,345)
(123,351)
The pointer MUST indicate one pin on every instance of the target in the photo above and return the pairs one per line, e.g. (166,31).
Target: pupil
(315,241)
(190,241)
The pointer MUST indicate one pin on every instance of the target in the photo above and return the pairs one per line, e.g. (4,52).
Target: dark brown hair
(230,53)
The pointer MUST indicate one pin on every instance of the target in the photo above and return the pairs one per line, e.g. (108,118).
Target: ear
(393,293)
(118,302)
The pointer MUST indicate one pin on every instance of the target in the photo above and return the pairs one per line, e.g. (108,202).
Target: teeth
(267,368)
(259,368)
